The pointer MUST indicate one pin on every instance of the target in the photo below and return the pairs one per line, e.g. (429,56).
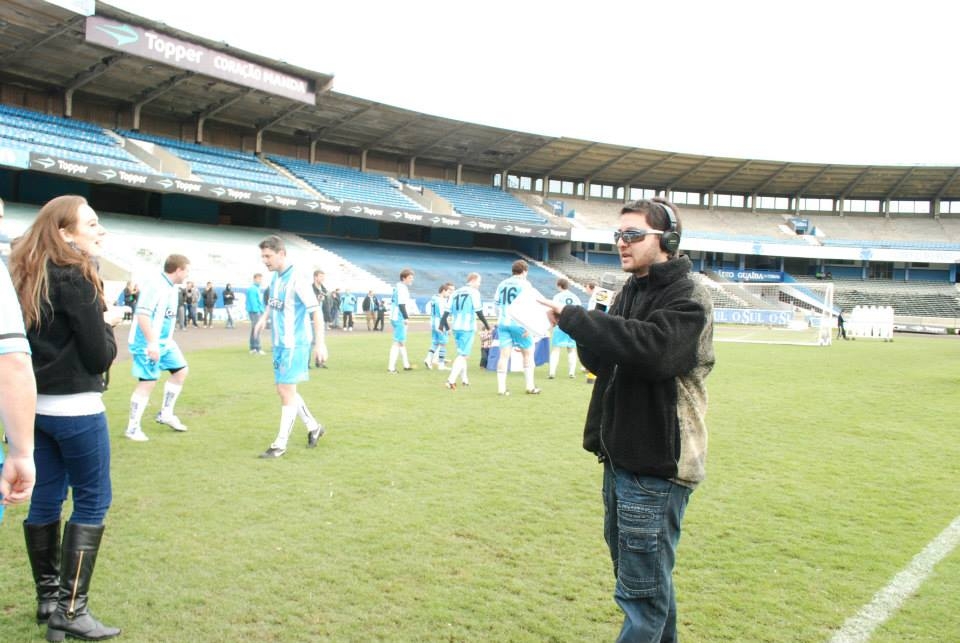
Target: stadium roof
(43,47)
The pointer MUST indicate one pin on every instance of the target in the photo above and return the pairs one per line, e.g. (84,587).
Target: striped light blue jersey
(291,303)
(437,307)
(464,305)
(401,295)
(13,338)
(507,291)
(158,303)
(566,298)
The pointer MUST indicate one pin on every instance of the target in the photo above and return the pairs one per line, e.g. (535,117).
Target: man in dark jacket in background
(651,352)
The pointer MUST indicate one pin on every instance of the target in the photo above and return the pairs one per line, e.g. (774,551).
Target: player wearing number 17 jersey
(510,332)
(465,306)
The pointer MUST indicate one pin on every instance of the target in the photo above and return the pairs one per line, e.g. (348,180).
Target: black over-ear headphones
(670,240)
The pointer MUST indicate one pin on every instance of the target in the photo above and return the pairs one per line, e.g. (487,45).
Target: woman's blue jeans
(642,517)
(71,452)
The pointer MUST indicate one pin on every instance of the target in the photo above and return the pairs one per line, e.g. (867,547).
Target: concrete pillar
(412,168)
(363,160)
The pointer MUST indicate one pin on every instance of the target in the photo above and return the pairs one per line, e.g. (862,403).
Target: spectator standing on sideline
(379,312)
(399,315)
(348,306)
(321,292)
(130,295)
(510,333)
(335,308)
(465,304)
(181,308)
(841,328)
(192,298)
(18,401)
(153,349)
(209,303)
(70,330)
(368,312)
(560,339)
(651,352)
(297,326)
(255,310)
(228,298)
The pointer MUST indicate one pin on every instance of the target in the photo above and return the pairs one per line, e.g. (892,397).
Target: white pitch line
(858,629)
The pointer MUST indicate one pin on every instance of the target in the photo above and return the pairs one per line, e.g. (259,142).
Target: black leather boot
(72,618)
(43,550)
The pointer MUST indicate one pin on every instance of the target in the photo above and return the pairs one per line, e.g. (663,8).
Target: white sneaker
(137,435)
(172,421)
(426,362)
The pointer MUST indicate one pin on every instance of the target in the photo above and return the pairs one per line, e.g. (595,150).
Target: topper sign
(164,48)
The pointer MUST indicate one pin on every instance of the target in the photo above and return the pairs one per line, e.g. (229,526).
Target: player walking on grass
(399,315)
(510,333)
(464,306)
(152,348)
(439,331)
(296,319)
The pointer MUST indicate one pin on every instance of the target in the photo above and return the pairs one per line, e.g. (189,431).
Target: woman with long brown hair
(70,330)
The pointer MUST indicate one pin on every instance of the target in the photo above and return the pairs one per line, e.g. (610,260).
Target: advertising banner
(166,49)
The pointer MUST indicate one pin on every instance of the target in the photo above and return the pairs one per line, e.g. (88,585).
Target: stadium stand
(67,138)
(226,167)
(481,201)
(347,184)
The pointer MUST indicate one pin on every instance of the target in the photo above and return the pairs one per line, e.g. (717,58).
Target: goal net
(773,313)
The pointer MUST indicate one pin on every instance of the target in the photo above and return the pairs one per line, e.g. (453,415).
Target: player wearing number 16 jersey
(510,332)
(464,306)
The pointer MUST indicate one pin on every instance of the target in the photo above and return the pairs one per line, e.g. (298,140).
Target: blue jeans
(72,451)
(254,339)
(642,517)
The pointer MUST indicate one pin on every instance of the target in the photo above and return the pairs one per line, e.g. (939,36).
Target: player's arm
(444,323)
(18,402)
(483,320)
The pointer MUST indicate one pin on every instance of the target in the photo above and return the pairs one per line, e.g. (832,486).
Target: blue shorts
(464,339)
(439,337)
(399,330)
(171,359)
(511,336)
(561,340)
(290,364)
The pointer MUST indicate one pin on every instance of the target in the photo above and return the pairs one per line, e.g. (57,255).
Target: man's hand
(553,309)
(320,353)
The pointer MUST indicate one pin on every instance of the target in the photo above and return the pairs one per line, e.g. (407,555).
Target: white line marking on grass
(858,628)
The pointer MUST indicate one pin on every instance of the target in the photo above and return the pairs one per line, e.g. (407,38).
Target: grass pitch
(430,515)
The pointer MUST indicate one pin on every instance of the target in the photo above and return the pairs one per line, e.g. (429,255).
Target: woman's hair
(41,245)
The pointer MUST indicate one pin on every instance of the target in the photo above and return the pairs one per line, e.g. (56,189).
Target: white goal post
(773,313)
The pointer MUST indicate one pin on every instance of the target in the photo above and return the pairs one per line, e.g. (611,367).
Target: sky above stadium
(814,81)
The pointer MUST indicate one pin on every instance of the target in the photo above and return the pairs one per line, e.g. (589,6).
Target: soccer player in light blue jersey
(439,330)
(297,320)
(152,348)
(510,332)
(18,399)
(560,339)
(399,301)
(465,308)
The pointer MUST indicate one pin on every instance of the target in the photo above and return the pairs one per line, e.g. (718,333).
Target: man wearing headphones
(651,353)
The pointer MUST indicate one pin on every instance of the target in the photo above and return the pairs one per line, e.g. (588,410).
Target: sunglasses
(632,236)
